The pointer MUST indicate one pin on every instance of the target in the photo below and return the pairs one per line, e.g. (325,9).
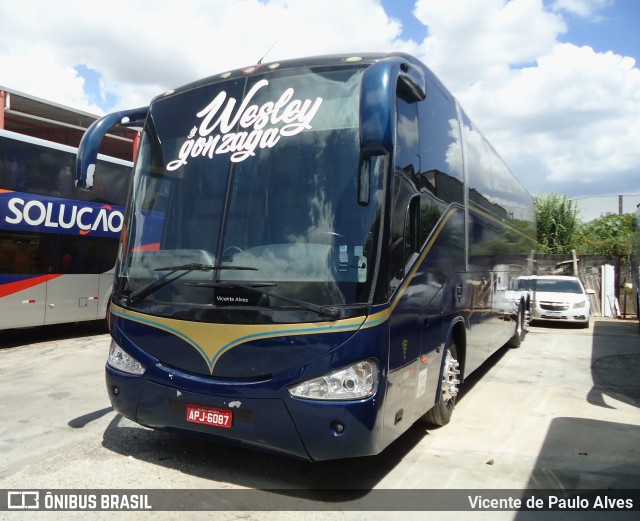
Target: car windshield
(558,286)
(524,284)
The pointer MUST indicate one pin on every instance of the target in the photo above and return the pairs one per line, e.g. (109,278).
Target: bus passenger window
(440,148)
(407,142)
(430,212)
(26,253)
(412,228)
(403,227)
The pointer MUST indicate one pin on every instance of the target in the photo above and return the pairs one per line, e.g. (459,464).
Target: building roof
(36,117)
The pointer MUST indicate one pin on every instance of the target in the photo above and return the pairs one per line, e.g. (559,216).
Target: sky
(553,84)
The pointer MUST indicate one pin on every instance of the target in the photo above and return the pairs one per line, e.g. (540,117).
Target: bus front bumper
(302,429)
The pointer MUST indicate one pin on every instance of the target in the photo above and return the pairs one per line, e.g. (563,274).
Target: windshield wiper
(196,266)
(324,311)
(145,291)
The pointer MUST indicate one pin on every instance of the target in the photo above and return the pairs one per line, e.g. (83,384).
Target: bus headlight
(351,383)
(122,361)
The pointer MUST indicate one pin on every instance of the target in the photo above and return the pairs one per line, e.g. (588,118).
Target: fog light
(337,427)
(115,390)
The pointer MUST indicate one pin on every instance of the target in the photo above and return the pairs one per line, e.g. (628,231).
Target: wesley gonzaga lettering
(263,125)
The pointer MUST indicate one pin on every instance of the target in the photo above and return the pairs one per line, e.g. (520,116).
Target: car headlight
(122,361)
(351,383)
(580,304)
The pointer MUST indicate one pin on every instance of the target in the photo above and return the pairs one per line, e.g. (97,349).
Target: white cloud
(583,8)
(472,41)
(564,117)
(35,69)
(144,47)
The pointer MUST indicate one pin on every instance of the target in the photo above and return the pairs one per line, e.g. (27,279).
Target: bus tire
(440,413)
(518,333)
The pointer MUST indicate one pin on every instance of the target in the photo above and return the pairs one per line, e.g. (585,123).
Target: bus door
(406,321)
(404,349)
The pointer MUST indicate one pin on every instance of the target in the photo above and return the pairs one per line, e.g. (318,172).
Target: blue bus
(58,244)
(316,253)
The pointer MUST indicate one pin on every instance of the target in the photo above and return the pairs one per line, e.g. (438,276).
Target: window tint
(408,141)
(558,286)
(86,254)
(430,213)
(282,199)
(405,221)
(401,230)
(440,148)
(428,174)
(37,169)
(27,253)
(41,253)
(492,186)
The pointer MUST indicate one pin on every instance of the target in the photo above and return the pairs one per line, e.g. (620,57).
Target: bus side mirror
(90,142)
(411,83)
(382,83)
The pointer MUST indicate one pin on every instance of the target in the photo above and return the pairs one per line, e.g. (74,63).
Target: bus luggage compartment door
(72,298)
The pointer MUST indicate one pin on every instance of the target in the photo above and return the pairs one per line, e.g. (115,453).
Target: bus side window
(406,228)
(440,148)
(27,253)
(412,229)
(430,212)
(405,220)
(408,141)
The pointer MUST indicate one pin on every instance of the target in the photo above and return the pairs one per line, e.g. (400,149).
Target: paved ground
(563,411)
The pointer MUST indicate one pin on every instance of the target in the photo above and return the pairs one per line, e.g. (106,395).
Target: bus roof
(328,60)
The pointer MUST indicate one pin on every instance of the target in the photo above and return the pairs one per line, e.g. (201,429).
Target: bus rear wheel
(440,413)
(518,333)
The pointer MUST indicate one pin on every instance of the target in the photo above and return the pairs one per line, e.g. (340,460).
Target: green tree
(558,223)
(608,235)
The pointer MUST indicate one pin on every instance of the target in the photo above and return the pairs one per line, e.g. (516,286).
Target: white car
(560,298)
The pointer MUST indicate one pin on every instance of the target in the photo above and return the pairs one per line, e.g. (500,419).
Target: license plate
(554,313)
(209,416)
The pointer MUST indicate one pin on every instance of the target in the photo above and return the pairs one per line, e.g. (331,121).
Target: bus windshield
(251,184)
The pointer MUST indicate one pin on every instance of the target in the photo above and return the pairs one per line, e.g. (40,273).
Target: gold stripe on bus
(212,340)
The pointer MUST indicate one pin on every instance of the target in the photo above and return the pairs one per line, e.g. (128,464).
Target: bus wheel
(440,413)
(518,334)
